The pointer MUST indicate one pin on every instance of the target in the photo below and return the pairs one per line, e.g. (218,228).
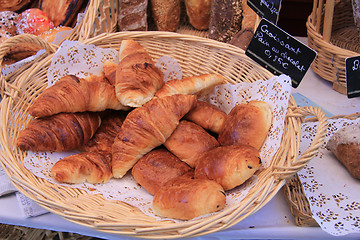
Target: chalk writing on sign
(271,6)
(279,52)
(279,55)
(352,67)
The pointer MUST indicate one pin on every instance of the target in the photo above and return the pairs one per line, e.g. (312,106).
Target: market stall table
(274,220)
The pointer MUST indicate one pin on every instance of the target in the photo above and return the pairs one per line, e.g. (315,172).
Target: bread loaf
(185,198)
(356,13)
(198,12)
(166,14)
(247,124)
(242,38)
(132,15)
(158,167)
(225,19)
(189,141)
(250,17)
(8,20)
(62,12)
(345,145)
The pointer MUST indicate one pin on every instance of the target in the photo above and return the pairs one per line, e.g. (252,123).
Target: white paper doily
(333,194)
(79,59)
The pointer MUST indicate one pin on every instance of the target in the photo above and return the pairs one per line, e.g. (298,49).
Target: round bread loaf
(345,145)
(230,166)
(198,12)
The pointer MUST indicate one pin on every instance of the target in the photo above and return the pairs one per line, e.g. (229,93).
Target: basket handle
(317,142)
(18,39)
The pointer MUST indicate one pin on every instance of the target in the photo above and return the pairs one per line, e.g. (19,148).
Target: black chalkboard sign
(268,9)
(352,66)
(279,52)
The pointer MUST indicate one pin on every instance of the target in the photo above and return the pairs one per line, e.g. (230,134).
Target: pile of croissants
(184,151)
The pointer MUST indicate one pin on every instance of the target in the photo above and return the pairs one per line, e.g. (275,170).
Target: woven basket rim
(271,179)
(327,45)
(294,193)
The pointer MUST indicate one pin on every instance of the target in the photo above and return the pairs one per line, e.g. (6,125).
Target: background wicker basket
(114,216)
(332,33)
(295,196)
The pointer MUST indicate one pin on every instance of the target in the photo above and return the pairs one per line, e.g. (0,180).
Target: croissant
(103,138)
(147,127)
(199,85)
(60,132)
(91,167)
(137,78)
(207,116)
(109,69)
(157,167)
(189,141)
(73,94)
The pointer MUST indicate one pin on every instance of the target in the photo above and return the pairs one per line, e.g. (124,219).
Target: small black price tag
(279,52)
(268,9)
(352,66)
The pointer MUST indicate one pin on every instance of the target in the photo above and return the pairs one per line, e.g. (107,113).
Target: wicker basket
(117,217)
(332,33)
(295,196)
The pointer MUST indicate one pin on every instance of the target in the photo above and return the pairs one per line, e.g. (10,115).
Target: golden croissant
(103,138)
(137,77)
(91,167)
(60,132)
(73,94)
(147,127)
(199,85)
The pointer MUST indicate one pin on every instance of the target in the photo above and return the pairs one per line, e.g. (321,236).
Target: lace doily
(333,194)
(81,60)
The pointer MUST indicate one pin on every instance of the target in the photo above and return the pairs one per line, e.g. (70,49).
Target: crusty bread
(132,15)
(247,124)
(345,145)
(199,85)
(230,166)
(166,14)
(207,115)
(198,12)
(225,19)
(185,198)
(250,18)
(158,167)
(243,38)
(189,141)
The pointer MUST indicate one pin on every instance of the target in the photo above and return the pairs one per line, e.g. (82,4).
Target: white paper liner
(333,194)
(79,59)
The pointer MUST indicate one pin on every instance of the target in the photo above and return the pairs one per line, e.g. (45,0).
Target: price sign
(352,66)
(279,52)
(268,9)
